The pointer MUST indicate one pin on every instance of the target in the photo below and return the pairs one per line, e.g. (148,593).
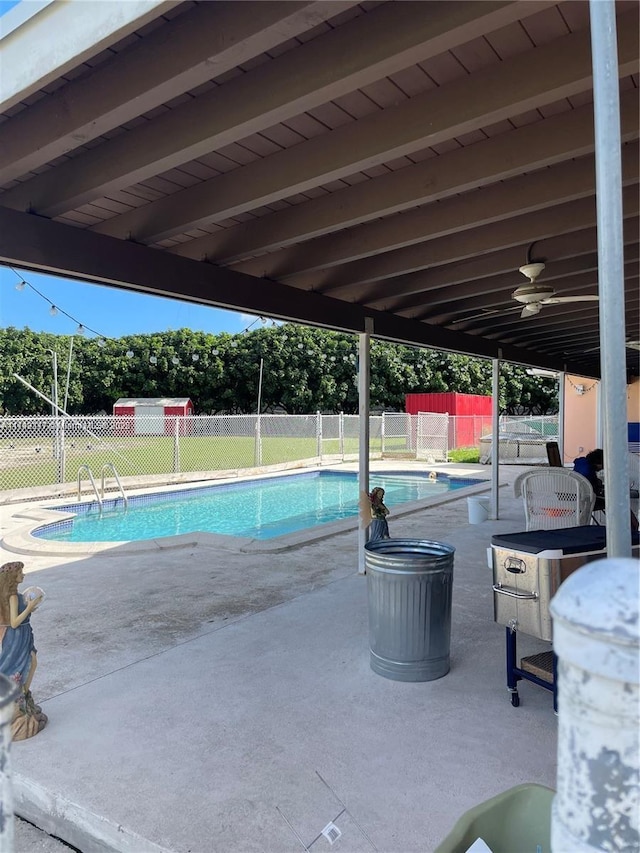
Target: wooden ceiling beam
(464,310)
(551,318)
(580,341)
(554,185)
(473,273)
(201,44)
(564,318)
(345,282)
(532,79)
(563,276)
(385,40)
(498,158)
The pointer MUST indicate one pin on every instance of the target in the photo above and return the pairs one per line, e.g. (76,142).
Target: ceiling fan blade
(483,315)
(629,345)
(556,300)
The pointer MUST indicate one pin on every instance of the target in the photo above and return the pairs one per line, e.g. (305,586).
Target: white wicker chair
(555,497)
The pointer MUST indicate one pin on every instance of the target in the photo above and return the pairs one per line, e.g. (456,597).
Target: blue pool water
(259,509)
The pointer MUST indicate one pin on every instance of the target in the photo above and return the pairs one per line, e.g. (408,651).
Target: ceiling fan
(533,296)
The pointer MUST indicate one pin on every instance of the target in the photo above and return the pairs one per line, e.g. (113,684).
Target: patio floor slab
(205,700)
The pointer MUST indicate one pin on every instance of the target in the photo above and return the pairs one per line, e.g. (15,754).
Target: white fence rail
(47,450)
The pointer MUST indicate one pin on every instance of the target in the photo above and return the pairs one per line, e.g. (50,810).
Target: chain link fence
(48,450)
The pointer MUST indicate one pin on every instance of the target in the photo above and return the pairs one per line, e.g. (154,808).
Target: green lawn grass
(23,466)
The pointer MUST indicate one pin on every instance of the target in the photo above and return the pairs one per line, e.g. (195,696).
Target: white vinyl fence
(47,450)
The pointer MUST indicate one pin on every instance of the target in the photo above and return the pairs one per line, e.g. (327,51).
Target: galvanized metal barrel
(409,584)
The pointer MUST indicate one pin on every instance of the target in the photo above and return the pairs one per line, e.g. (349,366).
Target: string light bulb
(53,309)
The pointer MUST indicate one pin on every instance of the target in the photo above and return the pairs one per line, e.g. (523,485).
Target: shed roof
(152,401)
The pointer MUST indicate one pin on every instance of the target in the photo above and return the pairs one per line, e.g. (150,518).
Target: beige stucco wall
(581,414)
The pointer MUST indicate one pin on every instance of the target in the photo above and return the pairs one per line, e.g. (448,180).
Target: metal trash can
(409,584)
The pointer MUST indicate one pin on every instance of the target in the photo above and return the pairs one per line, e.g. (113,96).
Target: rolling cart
(528,568)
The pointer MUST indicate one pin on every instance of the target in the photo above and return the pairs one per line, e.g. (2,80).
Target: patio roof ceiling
(328,162)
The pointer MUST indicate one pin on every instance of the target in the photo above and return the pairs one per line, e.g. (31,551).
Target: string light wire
(54,309)
(82,327)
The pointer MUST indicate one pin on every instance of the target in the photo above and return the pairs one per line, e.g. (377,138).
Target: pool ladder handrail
(86,469)
(109,466)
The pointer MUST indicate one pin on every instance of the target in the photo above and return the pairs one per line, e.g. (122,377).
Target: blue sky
(5,5)
(109,311)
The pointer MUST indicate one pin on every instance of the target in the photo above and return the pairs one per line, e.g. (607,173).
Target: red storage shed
(151,415)
(472,412)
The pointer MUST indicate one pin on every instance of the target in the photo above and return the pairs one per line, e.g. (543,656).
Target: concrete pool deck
(202,699)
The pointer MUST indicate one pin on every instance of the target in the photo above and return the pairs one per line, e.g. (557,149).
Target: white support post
(8,696)
(495,443)
(606,103)
(364,368)
(596,636)
(562,381)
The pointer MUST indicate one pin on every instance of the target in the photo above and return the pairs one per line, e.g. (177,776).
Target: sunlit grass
(30,462)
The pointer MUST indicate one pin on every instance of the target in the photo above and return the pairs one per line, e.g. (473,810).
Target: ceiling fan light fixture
(531,309)
(532,271)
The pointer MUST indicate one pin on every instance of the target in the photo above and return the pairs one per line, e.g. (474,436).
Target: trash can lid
(567,540)
(419,547)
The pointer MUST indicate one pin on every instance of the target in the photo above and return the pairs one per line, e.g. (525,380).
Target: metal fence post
(258,441)
(319,434)
(176,445)
(8,694)
(62,451)
(341,434)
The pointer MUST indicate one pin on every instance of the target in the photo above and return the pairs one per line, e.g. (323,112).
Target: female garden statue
(17,651)
(379,528)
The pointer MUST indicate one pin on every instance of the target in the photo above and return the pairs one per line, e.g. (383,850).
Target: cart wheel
(515,700)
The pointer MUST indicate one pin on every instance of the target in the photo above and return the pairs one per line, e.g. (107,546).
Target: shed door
(149,420)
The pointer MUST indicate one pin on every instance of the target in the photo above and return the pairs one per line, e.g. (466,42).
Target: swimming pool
(256,509)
